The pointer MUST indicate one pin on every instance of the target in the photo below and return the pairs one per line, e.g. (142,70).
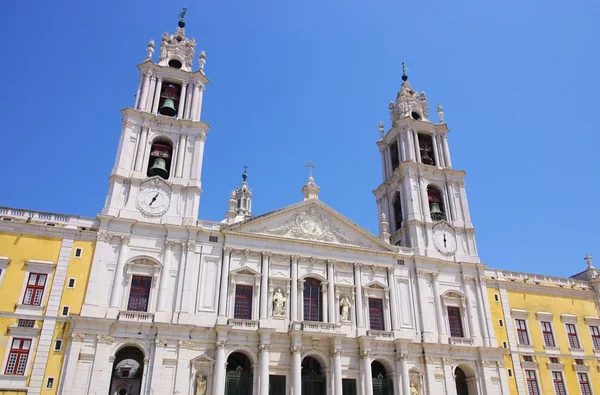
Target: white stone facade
(255,297)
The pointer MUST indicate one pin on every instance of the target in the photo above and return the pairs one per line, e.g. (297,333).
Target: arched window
(169,99)
(426,149)
(395,158)
(436,205)
(312,300)
(127,371)
(159,163)
(397,207)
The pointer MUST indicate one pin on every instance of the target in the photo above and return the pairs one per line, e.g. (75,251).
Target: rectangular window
(71,283)
(554,360)
(559,385)
(527,358)
(243,302)
(312,300)
(578,361)
(50,383)
(504,344)
(139,293)
(584,384)
(455,322)
(501,323)
(58,344)
(532,385)
(376,314)
(522,332)
(509,372)
(17,358)
(78,252)
(65,310)
(496,298)
(572,335)
(213,239)
(548,335)
(26,323)
(595,337)
(35,289)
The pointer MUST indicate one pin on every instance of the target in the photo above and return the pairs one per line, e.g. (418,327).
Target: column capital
(161,342)
(125,239)
(297,349)
(227,250)
(434,275)
(423,273)
(169,244)
(221,344)
(334,352)
(197,83)
(264,346)
(295,258)
(266,254)
(186,344)
(190,245)
(331,261)
(78,336)
(400,356)
(105,339)
(364,354)
(104,236)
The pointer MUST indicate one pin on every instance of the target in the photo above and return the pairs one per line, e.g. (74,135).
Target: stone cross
(310,166)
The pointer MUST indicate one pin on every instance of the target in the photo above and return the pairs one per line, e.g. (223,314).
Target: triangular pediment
(376,285)
(314,221)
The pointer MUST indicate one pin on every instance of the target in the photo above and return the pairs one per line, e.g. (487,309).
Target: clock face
(312,228)
(444,240)
(154,200)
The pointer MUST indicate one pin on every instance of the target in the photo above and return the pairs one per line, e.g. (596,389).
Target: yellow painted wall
(538,301)
(56,358)
(79,268)
(501,334)
(20,248)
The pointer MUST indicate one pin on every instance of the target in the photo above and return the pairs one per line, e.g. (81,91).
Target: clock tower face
(444,239)
(154,199)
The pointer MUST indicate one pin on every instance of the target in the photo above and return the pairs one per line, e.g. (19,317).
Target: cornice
(541,289)
(193,128)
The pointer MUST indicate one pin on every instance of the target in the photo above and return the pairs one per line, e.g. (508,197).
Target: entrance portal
(127,372)
(313,380)
(238,379)
(382,384)
(462,388)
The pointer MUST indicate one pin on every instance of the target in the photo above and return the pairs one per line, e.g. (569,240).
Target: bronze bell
(436,213)
(159,168)
(168,108)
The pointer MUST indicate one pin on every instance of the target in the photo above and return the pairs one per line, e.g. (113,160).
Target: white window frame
(564,381)
(522,315)
(145,268)
(61,345)
(69,281)
(588,380)
(41,267)
(248,278)
(376,290)
(4,261)
(48,382)
(589,322)
(10,381)
(80,249)
(62,310)
(572,319)
(455,299)
(537,380)
(548,317)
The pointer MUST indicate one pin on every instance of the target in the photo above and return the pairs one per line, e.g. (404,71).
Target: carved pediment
(313,221)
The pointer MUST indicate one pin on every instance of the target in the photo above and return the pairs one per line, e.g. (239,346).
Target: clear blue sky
(293,81)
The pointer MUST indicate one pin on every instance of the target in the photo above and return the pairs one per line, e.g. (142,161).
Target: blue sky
(309,80)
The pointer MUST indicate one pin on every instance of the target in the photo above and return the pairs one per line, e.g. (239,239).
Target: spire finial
(588,259)
(310,166)
(181,22)
(404,70)
(245,175)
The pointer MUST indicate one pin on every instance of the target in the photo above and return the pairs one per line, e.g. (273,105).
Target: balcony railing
(465,341)
(242,324)
(313,326)
(136,316)
(384,335)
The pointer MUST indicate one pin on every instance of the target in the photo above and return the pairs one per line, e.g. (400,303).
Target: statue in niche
(345,306)
(413,390)
(201,385)
(279,303)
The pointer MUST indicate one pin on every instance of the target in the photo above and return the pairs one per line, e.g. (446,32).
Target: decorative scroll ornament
(104,236)
(296,349)
(78,336)
(264,346)
(222,344)
(186,344)
(364,354)
(161,342)
(105,339)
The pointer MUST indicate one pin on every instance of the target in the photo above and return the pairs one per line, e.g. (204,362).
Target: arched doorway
(466,383)
(382,383)
(127,372)
(238,378)
(313,380)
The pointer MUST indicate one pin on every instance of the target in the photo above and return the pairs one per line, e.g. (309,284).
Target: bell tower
(157,172)
(422,195)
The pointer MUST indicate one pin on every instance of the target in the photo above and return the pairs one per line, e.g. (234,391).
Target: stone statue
(440,111)
(279,303)
(413,390)
(345,309)
(150,50)
(201,385)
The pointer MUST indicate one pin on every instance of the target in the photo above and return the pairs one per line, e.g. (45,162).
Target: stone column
(410,146)
(402,368)
(159,81)
(195,112)
(451,200)
(300,300)
(264,285)
(358,307)
(181,100)
(219,377)
(336,353)
(446,151)
(145,90)
(394,302)
(424,198)
(436,154)
(383,165)
(224,281)
(180,155)
(145,376)
(164,274)
(424,301)
(70,368)
(324,301)
(473,330)
(264,368)
(296,351)
(416,144)
(367,375)
(117,286)
(438,307)
(387,323)
(138,92)
(188,101)
(480,307)
(141,148)
(294,296)
(400,145)
(331,292)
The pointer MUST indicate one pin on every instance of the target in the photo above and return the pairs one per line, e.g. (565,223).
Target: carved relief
(105,339)
(186,344)
(78,336)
